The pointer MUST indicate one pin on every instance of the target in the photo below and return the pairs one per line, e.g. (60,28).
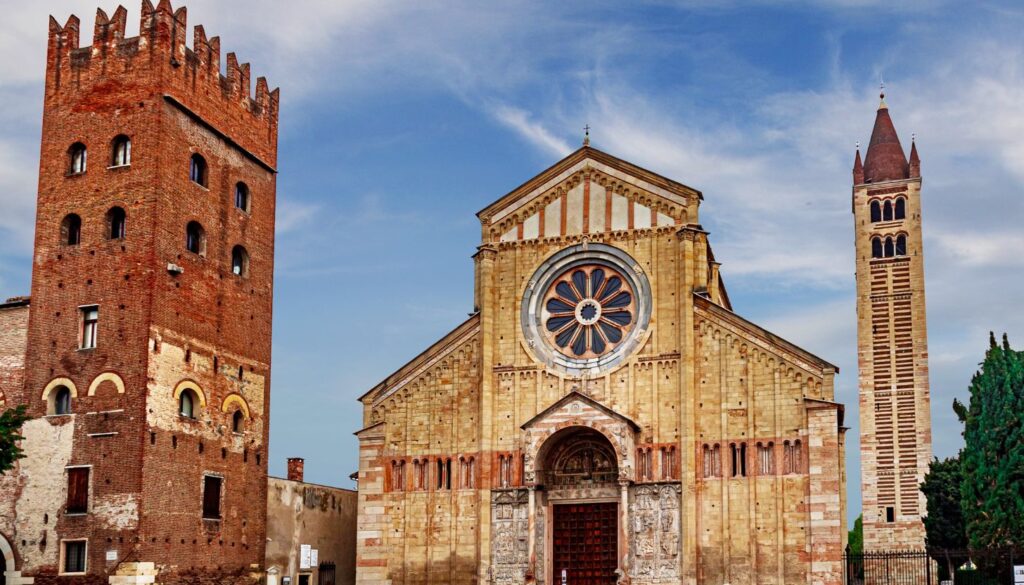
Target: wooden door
(585,543)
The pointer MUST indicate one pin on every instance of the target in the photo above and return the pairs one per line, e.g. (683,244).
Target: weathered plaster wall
(323,517)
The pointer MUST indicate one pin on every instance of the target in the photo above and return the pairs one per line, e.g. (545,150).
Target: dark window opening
(743,459)
(116,220)
(890,514)
(187,404)
(77,158)
(876,211)
(74,556)
(901,208)
(71,230)
(195,238)
(876,247)
(211,497)
(122,152)
(242,197)
(901,245)
(887,211)
(889,248)
(239,261)
(237,421)
(62,401)
(78,490)
(734,459)
(197,170)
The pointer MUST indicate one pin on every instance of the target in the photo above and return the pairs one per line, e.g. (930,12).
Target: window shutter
(78,490)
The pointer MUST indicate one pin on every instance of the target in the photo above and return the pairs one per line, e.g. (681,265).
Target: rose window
(588,311)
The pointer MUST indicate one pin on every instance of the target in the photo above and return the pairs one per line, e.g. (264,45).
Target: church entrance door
(585,544)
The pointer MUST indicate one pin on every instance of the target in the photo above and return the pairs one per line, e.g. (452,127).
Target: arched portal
(6,559)
(579,471)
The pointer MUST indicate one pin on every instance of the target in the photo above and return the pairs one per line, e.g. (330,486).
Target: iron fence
(932,567)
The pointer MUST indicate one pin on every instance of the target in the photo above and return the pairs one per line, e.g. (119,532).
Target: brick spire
(884,160)
(915,161)
(858,168)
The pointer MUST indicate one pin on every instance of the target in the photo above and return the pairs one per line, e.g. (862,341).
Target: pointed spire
(884,160)
(858,168)
(915,161)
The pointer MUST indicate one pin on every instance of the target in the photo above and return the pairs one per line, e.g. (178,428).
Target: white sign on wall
(314,558)
(111,555)
(305,551)
(1018,574)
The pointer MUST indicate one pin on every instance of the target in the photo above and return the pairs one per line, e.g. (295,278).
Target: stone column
(531,537)
(623,526)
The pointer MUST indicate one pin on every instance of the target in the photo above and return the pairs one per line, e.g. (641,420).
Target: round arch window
(586,309)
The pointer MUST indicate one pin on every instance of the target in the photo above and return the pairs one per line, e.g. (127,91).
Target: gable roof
(439,349)
(659,182)
(576,395)
(761,332)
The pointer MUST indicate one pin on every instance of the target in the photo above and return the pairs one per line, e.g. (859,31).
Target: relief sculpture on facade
(510,525)
(654,532)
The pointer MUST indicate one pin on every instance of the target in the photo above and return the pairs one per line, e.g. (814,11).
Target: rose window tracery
(588,311)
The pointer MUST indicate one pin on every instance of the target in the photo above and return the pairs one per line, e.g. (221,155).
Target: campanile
(895,417)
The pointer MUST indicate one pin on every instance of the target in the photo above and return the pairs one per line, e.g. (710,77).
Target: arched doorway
(6,559)
(579,472)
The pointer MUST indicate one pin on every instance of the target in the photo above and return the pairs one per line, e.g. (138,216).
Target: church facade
(604,416)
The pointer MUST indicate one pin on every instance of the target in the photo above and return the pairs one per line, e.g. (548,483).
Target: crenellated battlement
(159,57)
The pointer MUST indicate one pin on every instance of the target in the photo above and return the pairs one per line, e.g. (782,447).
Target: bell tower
(149,335)
(895,416)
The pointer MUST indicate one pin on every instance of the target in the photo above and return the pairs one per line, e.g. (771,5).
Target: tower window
(187,403)
(876,211)
(876,247)
(197,170)
(239,261)
(59,401)
(74,555)
(242,197)
(890,514)
(887,211)
(211,497)
(901,208)
(90,326)
(121,154)
(116,220)
(71,230)
(78,490)
(77,157)
(901,245)
(195,238)
(889,248)
(237,422)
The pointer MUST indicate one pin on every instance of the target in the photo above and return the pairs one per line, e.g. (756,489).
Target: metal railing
(932,567)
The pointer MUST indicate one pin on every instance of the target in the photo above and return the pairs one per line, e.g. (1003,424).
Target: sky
(400,120)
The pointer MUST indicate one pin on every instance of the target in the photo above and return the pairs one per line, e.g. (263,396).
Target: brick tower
(149,336)
(895,418)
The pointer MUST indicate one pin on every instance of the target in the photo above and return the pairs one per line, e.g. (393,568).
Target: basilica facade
(604,416)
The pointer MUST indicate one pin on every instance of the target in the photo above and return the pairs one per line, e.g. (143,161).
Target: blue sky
(400,120)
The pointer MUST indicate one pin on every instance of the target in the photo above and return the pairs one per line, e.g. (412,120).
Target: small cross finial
(858,145)
(586,135)
(913,137)
(881,87)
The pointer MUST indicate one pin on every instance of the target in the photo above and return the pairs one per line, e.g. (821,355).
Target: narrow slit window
(211,497)
(122,152)
(195,238)
(238,422)
(77,158)
(90,327)
(242,197)
(71,230)
(197,170)
(116,220)
(240,261)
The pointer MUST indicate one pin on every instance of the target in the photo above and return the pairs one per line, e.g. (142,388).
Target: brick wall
(205,325)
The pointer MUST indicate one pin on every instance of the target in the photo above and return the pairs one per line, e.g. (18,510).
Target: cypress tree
(992,490)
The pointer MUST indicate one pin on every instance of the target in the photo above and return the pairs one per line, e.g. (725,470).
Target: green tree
(856,540)
(10,433)
(944,523)
(992,487)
